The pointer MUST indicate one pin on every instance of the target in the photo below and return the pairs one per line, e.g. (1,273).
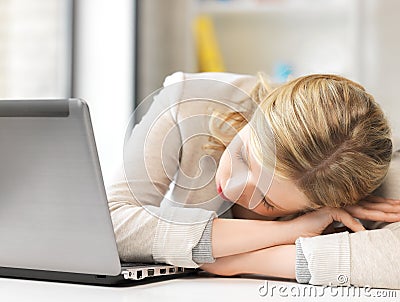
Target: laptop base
(76,278)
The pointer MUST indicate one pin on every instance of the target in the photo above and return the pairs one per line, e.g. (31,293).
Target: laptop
(54,219)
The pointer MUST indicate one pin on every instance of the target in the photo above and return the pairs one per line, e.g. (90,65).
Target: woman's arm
(279,258)
(235,236)
(277,261)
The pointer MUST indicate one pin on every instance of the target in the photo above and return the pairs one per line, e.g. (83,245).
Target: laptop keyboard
(133,264)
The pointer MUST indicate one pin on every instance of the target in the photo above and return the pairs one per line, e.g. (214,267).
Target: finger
(383,207)
(348,220)
(374,215)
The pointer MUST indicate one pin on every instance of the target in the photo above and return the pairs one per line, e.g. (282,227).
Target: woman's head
(331,139)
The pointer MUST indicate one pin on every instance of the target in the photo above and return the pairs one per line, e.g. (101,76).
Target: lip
(219,189)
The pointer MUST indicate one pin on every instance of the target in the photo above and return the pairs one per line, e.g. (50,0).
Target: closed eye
(240,157)
(267,205)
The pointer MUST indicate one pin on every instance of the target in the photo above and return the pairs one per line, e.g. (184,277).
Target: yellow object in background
(208,54)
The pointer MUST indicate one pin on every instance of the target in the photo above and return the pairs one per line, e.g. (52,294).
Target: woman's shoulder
(194,91)
(242,81)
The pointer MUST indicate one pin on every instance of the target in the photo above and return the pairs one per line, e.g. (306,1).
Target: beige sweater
(165,148)
(163,195)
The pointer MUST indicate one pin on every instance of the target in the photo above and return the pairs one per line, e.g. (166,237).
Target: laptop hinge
(34,108)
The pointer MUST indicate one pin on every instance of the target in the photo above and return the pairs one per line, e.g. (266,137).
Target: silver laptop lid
(53,206)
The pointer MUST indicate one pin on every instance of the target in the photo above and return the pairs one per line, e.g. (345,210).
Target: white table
(193,288)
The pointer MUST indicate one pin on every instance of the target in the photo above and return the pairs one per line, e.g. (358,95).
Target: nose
(234,188)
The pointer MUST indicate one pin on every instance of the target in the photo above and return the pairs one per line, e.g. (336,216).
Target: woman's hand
(376,208)
(314,223)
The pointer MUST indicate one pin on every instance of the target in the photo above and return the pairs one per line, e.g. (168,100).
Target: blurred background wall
(103,69)
(114,53)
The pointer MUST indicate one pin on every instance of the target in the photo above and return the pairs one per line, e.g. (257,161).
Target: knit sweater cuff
(302,272)
(202,252)
(328,258)
(178,231)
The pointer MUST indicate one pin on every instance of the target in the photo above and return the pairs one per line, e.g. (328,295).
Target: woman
(296,156)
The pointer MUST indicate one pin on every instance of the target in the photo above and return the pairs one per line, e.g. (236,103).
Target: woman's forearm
(277,261)
(236,236)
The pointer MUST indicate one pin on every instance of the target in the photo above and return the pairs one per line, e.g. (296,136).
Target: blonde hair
(331,138)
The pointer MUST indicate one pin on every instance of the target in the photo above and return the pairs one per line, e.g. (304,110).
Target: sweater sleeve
(367,258)
(363,258)
(202,252)
(147,230)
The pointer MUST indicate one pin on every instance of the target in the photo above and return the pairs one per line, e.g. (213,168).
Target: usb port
(163,270)
(139,274)
(180,269)
(172,270)
(150,272)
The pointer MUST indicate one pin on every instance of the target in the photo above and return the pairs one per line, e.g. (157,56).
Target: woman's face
(241,179)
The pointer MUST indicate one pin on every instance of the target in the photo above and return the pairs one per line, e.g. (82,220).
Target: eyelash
(239,156)
(267,205)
